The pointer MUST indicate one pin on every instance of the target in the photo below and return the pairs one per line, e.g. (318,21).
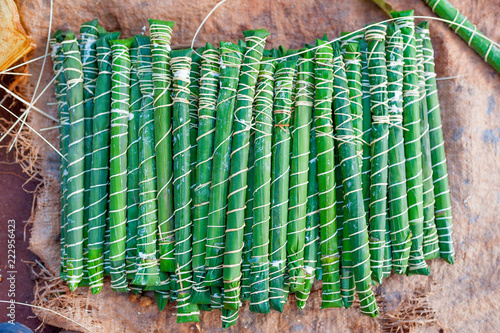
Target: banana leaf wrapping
(398,205)
(375,36)
(120,97)
(180,63)
(226,101)
(430,238)
(209,79)
(354,214)
(367,125)
(299,163)
(133,166)
(99,174)
(330,257)
(62,110)
(299,176)
(467,31)
(72,65)
(161,32)
(88,54)
(236,197)
(259,281)
(444,220)
(413,146)
(194,100)
(280,169)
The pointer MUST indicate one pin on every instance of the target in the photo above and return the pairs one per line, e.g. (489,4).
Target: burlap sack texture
(460,298)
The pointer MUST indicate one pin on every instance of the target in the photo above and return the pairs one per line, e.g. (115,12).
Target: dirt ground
(460,298)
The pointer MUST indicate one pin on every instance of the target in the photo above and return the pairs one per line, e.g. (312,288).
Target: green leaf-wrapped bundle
(259,282)
(120,98)
(398,205)
(430,238)
(236,197)
(62,109)
(88,54)
(367,125)
(133,166)
(194,92)
(323,75)
(180,63)
(280,169)
(209,79)
(468,31)
(354,213)
(375,36)
(147,263)
(299,163)
(72,65)
(100,163)
(413,146)
(229,74)
(444,220)
(161,32)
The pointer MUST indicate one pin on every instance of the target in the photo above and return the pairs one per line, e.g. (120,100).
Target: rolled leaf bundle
(468,31)
(62,110)
(259,281)
(299,163)
(147,264)
(367,125)
(398,205)
(194,92)
(430,238)
(98,205)
(444,220)
(280,169)
(133,166)
(375,36)
(72,65)
(209,79)
(324,84)
(180,63)
(354,214)
(229,74)
(120,96)
(88,53)
(413,146)
(236,197)
(161,32)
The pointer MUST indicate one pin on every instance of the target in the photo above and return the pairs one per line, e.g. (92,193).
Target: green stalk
(413,147)
(312,224)
(133,166)
(324,81)
(209,79)
(236,197)
(230,67)
(468,32)
(161,32)
(375,36)
(259,281)
(120,96)
(398,205)
(147,264)
(430,238)
(62,108)
(100,163)
(180,63)
(280,169)
(444,220)
(72,65)
(354,213)
(299,171)
(88,54)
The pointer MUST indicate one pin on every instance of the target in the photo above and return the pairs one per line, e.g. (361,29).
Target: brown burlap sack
(459,298)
